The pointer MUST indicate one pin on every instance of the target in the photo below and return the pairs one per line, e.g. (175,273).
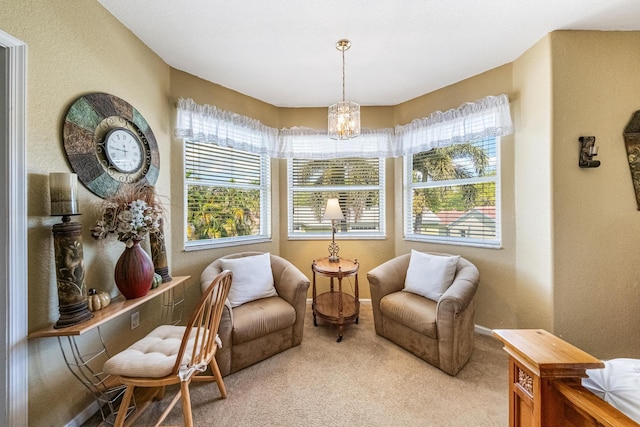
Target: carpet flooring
(365,380)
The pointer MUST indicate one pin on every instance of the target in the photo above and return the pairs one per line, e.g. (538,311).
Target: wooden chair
(175,354)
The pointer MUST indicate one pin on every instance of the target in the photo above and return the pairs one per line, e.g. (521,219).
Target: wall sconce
(69,258)
(588,151)
(333,212)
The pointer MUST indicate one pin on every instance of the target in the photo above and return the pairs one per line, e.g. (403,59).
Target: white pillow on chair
(430,275)
(252,278)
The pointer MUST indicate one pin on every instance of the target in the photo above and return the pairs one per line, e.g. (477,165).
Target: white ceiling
(283,51)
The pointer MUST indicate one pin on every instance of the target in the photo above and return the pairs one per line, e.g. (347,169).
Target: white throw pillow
(252,278)
(619,384)
(430,275)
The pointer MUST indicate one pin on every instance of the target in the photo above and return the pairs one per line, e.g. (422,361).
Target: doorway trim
(13,282)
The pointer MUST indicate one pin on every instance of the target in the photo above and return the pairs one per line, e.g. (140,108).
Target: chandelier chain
(343,77)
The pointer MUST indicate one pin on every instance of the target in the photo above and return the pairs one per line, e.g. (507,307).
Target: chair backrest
(203,325)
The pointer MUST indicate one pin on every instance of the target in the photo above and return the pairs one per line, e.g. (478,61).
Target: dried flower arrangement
(129,215)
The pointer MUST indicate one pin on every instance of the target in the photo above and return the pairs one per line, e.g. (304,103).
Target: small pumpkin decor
(157,280)
(97,299)
(129,216)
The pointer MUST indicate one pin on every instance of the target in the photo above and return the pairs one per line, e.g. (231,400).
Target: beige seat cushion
(412,311)
(261,317)
(154,356)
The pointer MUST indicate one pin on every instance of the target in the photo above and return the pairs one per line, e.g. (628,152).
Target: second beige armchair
(256,329)
(439,329)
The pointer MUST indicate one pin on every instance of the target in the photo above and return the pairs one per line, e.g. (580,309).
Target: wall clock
(109,144)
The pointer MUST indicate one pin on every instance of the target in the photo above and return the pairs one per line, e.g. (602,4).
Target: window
(358,183)
(227,196)
(452,194)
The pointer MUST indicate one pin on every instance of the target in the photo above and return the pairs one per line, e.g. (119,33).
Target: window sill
(454,242)
(224,244)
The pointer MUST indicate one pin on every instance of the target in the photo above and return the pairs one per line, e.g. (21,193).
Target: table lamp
(333,212)
(67,243)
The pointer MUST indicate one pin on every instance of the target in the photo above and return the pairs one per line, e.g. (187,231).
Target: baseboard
(84,416)
(481,330)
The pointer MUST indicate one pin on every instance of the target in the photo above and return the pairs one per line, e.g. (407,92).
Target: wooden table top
(346,266)
(118,306)
(546,353)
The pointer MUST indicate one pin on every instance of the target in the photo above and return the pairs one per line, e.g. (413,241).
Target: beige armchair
(440,332)
(259,329)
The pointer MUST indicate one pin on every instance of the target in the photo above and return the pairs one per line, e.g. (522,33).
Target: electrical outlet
(135,320)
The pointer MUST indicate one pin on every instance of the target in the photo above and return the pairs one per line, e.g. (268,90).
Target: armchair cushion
(252,278)
(411,310)
(261,317)
(430,275)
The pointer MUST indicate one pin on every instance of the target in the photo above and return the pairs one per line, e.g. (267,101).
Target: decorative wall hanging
(588,150)
(109,144)
(632,143)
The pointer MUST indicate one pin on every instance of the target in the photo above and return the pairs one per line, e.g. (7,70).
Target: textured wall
(574,269)
(75,49)
(596,221)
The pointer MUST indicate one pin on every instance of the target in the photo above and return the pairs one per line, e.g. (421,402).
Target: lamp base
(69,262)
(72,314)
(333,251)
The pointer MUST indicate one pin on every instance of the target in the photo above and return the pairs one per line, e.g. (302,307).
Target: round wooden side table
(335,307)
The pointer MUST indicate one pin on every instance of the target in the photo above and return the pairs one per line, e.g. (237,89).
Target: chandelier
(344,116)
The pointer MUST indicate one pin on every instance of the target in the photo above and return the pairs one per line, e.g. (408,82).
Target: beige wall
(532,292)
(74,50)
(596,273)
(568,259)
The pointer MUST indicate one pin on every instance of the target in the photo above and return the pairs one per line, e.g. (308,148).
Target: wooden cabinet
(545,383)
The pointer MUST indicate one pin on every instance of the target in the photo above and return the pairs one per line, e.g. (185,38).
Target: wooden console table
(545,383)
(333,307)
(85,361)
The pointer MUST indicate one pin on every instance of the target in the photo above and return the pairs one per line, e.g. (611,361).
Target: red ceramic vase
(134,272)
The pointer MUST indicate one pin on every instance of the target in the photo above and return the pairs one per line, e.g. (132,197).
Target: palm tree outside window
(358,184)
(452,194)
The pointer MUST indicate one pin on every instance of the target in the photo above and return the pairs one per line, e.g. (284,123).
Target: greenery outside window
(452,194)
(358,183)
(227,194)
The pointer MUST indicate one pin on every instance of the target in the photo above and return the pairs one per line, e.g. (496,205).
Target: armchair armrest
(455,315)
(291,285)
(386,278)
(461,292)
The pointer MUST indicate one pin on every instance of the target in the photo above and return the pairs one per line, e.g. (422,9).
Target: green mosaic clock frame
(88,121)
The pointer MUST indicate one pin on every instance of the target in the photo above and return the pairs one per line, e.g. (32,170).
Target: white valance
(306,143)
(206,123)
(472,121)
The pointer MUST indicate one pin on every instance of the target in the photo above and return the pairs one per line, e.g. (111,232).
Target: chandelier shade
(344,116)
(344,120)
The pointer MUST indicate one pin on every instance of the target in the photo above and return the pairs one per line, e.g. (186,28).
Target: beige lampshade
(332,210)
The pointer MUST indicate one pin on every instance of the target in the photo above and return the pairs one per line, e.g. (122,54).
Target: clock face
(109,144)
(123,150)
